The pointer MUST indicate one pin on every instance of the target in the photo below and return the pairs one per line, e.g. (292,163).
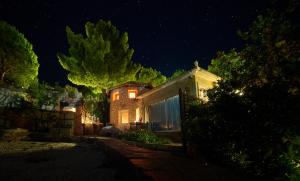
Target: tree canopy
(228,65)
(99,59)
(176,74)
(18,62)
(150,75)
(41,93)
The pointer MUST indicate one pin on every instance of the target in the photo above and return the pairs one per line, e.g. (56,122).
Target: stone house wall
(124,103)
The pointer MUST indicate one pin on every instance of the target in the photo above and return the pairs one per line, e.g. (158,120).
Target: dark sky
(166,34)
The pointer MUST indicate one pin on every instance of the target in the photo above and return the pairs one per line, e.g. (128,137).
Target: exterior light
(70,109)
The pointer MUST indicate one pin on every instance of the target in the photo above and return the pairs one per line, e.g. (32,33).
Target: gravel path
(55,161)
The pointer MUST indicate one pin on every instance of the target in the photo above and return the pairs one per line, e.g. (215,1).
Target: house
(160,106)
(125,108)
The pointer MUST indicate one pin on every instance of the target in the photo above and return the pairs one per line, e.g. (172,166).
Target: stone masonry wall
(124,103)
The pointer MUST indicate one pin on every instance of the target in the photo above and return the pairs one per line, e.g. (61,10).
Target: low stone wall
(91,129)
(56,122)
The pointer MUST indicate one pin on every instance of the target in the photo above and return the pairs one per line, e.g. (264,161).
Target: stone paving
(164,166)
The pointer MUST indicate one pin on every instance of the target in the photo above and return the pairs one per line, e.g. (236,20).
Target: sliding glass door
(165,115)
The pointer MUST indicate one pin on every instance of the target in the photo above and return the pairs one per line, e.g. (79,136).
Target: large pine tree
(99,59)
(18,62)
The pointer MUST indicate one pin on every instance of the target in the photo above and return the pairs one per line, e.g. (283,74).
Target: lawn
(22,147)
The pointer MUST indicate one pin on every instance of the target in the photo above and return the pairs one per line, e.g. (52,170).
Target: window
(132,94)
(124,116)
(116,96)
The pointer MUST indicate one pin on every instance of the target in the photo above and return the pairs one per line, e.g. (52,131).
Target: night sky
(166,35)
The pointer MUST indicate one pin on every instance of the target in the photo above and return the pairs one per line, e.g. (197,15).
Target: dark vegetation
(252,118)
(143,136)
(14,134)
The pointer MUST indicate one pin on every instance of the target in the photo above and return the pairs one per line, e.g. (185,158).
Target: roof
(130,84)
(208,75)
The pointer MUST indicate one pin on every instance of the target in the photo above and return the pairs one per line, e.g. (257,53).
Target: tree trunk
(105,108)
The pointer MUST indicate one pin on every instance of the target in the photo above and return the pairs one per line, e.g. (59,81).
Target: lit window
(124,116)
(132,94)
(116,96)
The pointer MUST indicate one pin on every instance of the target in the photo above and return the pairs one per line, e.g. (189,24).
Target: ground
(54,161)
(102,158)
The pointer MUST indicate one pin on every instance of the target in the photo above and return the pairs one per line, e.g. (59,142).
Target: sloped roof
(208,75)
(130,84)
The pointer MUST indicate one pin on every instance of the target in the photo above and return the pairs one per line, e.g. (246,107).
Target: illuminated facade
(160,106)
(124,106)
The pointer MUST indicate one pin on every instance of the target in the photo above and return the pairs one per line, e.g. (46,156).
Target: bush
(291,160)
(14,134)
(143,136)
(252,132)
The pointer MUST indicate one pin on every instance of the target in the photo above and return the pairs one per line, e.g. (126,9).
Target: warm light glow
(202,93)
(124,116)
(71,109)
(137,115)
(132,94)
(239,92)
(87,119)
(116,96)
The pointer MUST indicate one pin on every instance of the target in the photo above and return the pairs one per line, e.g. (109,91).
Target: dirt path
(53,161)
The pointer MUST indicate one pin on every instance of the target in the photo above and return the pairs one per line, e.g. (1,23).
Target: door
(165,115)
(123,116)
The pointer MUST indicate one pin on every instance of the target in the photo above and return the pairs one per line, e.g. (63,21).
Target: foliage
(228,65)
(96,104)
(150,75)
(252,117)
(72,91)
(25,147)
(18,62)
(13,98)
(176,74)
(100,59)
(44,94)
(143,136)
(14,134)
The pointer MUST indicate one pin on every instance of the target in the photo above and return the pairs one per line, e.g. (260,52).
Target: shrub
(291,160)
(14,134)
(143,136)
(256,136)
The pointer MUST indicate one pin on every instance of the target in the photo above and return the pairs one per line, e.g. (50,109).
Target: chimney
(196,64)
